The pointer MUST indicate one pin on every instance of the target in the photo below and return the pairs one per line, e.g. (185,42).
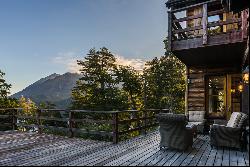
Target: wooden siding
(196,89)
(196,93)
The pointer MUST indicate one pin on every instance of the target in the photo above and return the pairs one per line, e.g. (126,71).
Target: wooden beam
(220,39)
(195,5)
(187,18)
(204,24)
(216,12)
(221,23)
(214,24)
(187,29)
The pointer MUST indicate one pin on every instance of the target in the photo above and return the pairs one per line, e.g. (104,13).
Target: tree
(28,106)
(98,88)
(4,87)
(132,85)
(5,102)
(47,105)
(165,83)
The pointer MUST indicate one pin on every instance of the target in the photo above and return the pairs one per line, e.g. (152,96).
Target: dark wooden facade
(210,37)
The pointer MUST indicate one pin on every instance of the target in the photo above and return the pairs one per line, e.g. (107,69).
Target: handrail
(119,122)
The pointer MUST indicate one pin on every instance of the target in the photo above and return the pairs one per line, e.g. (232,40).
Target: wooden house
(211,38)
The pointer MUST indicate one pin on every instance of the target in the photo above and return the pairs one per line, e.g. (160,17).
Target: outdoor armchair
(174,131)
(231,134)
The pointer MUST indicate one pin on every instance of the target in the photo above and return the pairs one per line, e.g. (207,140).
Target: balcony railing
(212,26)
(111,125)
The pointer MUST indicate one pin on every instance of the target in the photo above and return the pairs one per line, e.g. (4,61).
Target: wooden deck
(33,149)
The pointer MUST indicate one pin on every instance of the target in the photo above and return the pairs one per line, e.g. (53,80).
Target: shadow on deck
(33,149)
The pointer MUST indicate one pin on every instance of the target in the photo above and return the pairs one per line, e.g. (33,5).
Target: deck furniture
(174,132)
(197,118)
(229,134)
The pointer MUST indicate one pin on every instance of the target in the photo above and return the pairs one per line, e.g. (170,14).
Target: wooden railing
(107,125)
(176,32)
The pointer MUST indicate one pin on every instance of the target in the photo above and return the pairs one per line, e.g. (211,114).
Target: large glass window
(217,96)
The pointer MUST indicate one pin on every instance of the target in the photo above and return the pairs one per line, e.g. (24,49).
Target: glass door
(216,96)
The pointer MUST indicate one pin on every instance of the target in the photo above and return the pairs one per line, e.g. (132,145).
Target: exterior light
(240,87)
(245,75)
(233,90)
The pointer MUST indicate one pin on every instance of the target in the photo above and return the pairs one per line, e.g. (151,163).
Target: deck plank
(233,157)
(200,152)
(27,149)
(225,161)
(194,152)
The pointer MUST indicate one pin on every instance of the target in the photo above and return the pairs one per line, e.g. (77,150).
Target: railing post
(115,128)
(145,121)
(204,23)
(138,120)
(170,30)
(71,124)
(38,120)
(14,119)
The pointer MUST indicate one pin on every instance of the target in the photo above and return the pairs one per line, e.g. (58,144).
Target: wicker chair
(229,134)
(173,131)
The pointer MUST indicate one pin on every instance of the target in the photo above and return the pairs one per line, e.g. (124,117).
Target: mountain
(55,88)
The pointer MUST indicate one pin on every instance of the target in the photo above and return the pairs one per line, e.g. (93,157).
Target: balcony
(204,34)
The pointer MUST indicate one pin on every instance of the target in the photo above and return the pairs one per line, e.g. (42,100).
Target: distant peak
(54,74)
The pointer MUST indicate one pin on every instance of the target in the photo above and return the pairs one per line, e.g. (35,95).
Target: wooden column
(186,92)
(244,27)
(204,24)
(170,30)
(115,128)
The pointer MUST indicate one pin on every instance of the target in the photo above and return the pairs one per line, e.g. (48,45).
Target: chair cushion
(242,120)
(234,120)
(196,116)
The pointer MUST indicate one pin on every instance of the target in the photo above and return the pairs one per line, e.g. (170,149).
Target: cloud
(69,60)
(138,64)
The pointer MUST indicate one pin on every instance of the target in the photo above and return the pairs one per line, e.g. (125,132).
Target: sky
(41,37)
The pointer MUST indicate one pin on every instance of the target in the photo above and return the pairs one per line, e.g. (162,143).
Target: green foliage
(98,88)
(106,86)
(165,83)
(4,87)
(47,105)
(28,106)
(131,85)
(6,102)
(28,109)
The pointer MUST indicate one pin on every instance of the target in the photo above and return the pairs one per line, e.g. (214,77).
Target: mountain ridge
(54,88)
